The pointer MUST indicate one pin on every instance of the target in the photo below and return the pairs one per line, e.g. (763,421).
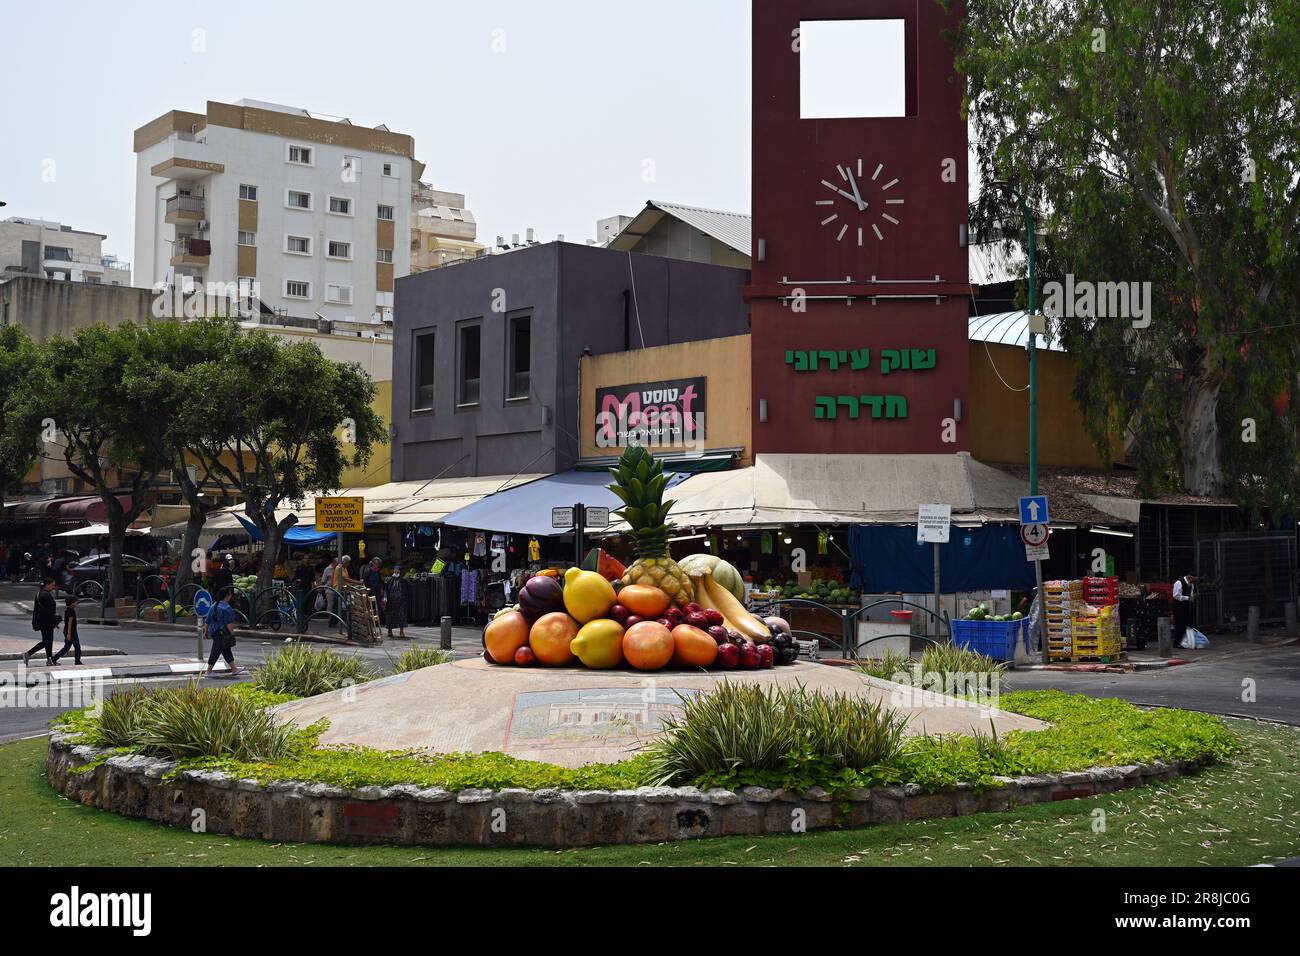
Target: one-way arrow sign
(1033,510)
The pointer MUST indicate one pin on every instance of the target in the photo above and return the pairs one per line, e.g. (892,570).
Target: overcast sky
(545,113)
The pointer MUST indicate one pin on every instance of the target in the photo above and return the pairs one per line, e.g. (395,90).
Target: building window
(340,250)
(300,154)
(388,169)
(298,199)
(341,294)
(384,255)
(297,289)
(58,254)
(298,245)
(247,238)
(340,206)
(248,192)
(384,212)
(520,357)
(423,395)
(470,338)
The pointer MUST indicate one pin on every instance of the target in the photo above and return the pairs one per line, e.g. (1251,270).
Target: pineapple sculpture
(639,482)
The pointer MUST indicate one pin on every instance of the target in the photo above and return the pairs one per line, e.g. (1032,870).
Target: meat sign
(668,414)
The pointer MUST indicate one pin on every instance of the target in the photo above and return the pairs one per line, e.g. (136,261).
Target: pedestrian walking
(45,618)
(374,582)
(71,639)
(223,576)
(397,602)
(217,629)
(1184,598)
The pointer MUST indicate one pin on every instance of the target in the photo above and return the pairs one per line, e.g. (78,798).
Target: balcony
(189,252)
(185,157)
(185,209)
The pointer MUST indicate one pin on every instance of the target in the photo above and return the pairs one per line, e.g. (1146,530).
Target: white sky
(552,132)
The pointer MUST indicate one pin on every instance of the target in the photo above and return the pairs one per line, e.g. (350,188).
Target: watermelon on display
(724,573)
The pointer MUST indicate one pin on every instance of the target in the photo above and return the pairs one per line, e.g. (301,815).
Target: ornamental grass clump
(119,720)
(743,732)
(417,658)
(194,721)
(305,672)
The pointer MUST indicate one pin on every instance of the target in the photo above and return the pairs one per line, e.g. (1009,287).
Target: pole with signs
(934,526)
(1034,532)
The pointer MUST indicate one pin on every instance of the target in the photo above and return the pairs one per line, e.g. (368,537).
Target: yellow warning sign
(340,514)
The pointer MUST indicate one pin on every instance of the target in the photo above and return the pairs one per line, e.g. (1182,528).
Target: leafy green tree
(19,439)
(1159,142)
(278,434)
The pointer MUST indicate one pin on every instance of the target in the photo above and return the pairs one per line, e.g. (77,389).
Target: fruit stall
(650,614)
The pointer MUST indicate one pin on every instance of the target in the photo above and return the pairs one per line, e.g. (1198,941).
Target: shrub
(747,729)
(121,719)
(194,721)
(936,659)
(303,671)
(417,658)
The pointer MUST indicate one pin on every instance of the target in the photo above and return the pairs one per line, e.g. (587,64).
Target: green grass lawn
(1242,812)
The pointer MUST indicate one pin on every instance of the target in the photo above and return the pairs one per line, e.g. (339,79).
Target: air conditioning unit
(203,225)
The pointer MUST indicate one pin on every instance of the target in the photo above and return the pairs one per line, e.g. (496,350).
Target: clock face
(860,202)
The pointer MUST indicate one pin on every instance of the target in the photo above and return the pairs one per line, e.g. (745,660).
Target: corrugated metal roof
(1007,328)
(735,229)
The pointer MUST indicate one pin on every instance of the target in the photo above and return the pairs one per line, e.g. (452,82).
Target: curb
(244,633)
(115,673)
(88,652)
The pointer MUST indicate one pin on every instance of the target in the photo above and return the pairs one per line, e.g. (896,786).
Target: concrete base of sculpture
(576,716)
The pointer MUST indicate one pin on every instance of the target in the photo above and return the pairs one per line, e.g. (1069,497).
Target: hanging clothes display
(480,544)
(767,542)
(534,550)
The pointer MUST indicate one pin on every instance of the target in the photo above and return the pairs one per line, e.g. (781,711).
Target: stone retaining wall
(296,812)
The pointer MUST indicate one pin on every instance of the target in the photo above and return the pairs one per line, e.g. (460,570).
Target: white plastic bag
(1193,640)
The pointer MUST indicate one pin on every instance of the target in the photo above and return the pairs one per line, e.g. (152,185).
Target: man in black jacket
(45,618)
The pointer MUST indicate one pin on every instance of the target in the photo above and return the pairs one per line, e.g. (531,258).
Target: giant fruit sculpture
(639,482)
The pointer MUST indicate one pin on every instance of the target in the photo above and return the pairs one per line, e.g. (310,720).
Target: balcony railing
(190,204)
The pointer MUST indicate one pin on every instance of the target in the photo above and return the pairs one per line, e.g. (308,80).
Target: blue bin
(995,639)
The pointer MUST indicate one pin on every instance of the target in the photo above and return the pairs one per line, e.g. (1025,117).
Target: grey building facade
(486,352)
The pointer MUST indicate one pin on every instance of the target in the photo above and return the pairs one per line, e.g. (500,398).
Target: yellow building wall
(380,468)
(999,417)
(723,363)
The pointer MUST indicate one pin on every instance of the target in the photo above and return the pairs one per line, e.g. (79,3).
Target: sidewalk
(128,666)
(12,648)
(1221,647)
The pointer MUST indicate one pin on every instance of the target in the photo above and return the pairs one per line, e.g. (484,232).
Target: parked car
(90,574)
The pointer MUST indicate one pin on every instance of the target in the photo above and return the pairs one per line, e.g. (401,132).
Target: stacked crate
(1096,633)
(1101,592)
(1059,600)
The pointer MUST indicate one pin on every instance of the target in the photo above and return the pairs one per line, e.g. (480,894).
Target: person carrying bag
(217,628)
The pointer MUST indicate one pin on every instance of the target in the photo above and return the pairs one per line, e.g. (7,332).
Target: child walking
(70,636)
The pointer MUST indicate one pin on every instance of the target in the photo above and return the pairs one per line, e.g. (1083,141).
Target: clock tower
(859,308)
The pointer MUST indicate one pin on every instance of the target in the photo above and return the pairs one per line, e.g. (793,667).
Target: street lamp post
(1032,326)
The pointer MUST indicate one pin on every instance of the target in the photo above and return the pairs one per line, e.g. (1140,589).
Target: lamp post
(1032,326)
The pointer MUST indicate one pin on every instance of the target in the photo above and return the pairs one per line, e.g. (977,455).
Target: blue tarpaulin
(886,558)
(305,534)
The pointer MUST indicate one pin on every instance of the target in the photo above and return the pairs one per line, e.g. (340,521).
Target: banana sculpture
(709,594)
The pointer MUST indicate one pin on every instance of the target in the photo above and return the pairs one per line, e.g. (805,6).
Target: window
(341,294)
(388,169)
(520,357)
(340,206)
(298,199)
(831,55)
(248,192)
(58,254)
(339,250)
(384,212)
(247,238)
(422,399)
(470,337)
(351,168)
(383,255)
(297,289)
(300,154)
(298,245)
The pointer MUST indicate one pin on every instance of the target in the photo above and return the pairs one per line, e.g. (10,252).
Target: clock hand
(849,196)
(857,196)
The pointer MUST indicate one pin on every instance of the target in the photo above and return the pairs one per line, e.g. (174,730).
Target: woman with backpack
(217,629)
(45,618)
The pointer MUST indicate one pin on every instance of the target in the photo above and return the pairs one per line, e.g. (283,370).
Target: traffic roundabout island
(566,717)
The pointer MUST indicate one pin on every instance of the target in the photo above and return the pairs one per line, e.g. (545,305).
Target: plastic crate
(995,639)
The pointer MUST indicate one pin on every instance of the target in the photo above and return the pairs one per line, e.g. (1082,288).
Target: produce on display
(639,483)
(693,647)
(551,638)
(648,646)
(587,595)
(541,595)
(710,594)
(524,657)
(505,635)
(723,572)
(599,644)
(644,601)
(604,564)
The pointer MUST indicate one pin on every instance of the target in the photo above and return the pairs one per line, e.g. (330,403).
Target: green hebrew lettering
(826,408)
(922,359)
(890,359)
(851,403)
(875,401)
(861,358)
(832,359)
(895,406)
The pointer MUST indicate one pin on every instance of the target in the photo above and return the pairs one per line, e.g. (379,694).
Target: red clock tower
(859,311)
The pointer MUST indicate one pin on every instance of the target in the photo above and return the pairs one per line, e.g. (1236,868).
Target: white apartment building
(52,250)
(313,212)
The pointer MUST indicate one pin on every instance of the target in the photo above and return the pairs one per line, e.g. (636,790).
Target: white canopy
(95,531)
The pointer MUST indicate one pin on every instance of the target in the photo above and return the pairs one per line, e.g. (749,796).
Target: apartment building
(311,212)
(51,250)
(443,231)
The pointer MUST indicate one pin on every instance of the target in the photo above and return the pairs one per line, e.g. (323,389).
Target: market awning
(43,507)
(526,509)
(678,461)
(87,509)
(845,489)
(95,531)
(295,535)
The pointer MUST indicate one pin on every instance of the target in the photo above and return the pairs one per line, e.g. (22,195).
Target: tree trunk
(116,546)
(274,537)
(1199,436)
(193,527)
